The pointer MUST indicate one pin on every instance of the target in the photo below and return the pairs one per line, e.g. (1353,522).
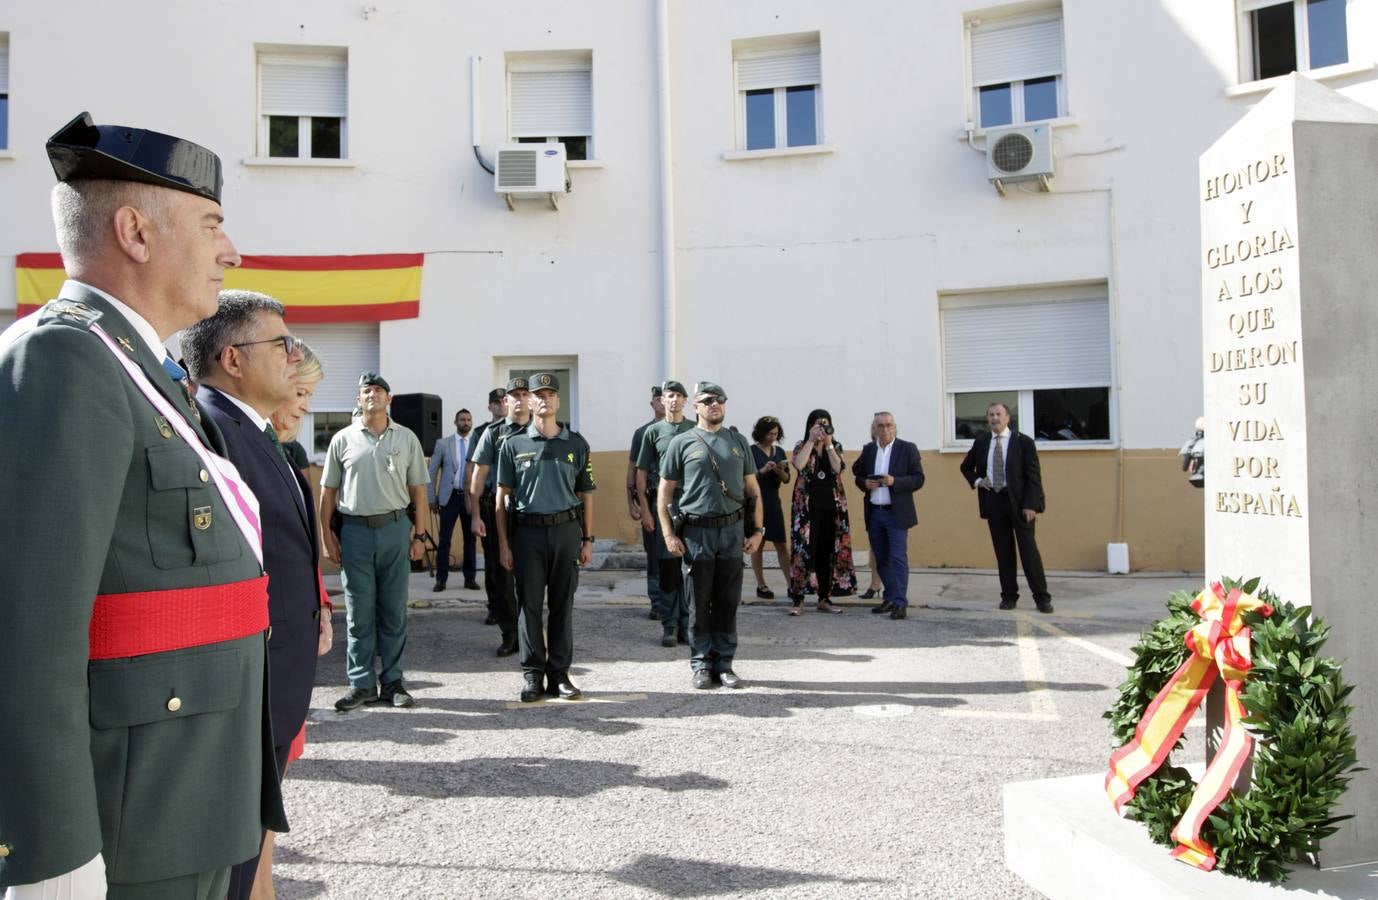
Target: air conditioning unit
(1019,153)
(527,171)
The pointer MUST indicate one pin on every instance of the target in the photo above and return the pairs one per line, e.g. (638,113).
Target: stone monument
(1289,263)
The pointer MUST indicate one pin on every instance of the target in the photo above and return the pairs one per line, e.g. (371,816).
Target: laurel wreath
(1295,709)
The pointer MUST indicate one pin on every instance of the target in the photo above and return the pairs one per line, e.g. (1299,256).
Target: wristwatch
(587,539)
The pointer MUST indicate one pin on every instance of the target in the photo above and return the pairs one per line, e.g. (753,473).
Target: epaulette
(69,312)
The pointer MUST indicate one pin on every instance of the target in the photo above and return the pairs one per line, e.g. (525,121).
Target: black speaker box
(420,413)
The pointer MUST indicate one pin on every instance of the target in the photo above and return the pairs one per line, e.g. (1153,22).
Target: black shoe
(491,620)
(681,637)
(765,593)
(883,607)
(356,698)
(507,647)
(898,612)
(1045,606)
(1007,604)
(471,585)
(868,594)
(395,693)
(566,689)
(552,684)
(438,587)
(653,615)
(531,687)
(703,681)
(667,639)
(729,679)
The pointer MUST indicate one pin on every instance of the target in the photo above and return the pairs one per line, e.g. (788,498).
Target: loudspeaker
(420,413)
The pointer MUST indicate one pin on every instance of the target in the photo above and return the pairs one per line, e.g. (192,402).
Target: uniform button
(204,475)
(174,704)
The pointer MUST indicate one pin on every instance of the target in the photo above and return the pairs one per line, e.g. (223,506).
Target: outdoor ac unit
(531,171)
(1019,153)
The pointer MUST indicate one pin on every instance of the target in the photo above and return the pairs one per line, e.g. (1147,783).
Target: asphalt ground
(864,757)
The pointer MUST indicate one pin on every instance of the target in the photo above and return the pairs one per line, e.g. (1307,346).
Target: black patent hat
(82,149)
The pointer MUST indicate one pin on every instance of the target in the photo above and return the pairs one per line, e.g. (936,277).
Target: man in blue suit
(244,361)
(889,471)
(450,499)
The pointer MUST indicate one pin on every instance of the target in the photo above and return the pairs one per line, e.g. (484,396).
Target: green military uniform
(546,477)
(648,538)
(372,473)
(502,588)
(674,604)
(713,536)
(162,762)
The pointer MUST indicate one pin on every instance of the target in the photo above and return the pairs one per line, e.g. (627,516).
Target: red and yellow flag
(1220,645)
(371,287)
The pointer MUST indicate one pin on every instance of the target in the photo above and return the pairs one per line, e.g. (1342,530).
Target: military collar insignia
(128,347)
(75,311)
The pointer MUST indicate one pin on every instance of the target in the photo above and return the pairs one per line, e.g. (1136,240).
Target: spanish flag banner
(372,287)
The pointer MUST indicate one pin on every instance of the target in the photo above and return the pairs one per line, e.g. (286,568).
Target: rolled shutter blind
(551,103)
(1016,51)
(782,68)
(1027,346)
(4,64)
(302,86)
(345,350)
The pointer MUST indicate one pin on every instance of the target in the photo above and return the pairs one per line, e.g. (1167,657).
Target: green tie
(272,436)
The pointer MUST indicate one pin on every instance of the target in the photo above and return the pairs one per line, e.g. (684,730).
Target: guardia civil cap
(373,378)
(495,395)
(702,388)
(545,382)
(656,390)
(82,149)
(672,385)
(517,384)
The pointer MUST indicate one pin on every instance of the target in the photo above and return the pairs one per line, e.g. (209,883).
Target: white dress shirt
(881,496)
(461,447)
(141,325)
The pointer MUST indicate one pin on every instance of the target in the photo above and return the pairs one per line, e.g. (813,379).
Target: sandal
(765,593)
(796,610)
(827,607)
(869,595)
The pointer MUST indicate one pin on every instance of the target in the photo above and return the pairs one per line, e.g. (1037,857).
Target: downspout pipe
(667,197)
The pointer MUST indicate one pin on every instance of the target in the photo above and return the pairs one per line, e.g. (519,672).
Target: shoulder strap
(713,461)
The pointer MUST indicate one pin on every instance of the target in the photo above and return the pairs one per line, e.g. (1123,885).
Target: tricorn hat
(82,149)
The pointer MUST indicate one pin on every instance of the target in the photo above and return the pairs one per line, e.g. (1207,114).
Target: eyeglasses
(289,343)
(712,400)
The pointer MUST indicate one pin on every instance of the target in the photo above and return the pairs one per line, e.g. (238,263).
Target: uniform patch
(569,457)
(525,456)
(201,517)
(163,427)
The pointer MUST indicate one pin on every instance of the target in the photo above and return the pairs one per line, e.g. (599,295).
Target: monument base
(1064,840)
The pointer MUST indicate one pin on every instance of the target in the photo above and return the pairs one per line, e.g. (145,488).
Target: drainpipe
(667,196)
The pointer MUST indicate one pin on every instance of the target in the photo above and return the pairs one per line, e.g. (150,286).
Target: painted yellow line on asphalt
(996,714)
(1117,658)
(587,698)
(1035,682)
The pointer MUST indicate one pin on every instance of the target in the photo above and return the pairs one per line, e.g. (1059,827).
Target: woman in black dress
(772,470)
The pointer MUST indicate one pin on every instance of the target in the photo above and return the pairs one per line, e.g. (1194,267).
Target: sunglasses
(288,342)
(712,400)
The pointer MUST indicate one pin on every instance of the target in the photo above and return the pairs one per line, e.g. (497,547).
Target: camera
(828,430)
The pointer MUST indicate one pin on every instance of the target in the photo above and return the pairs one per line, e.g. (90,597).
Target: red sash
(143,622)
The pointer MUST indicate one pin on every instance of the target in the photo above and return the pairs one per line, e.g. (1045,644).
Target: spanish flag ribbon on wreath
(1220,646)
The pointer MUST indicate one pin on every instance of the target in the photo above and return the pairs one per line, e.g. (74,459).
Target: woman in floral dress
(821,555)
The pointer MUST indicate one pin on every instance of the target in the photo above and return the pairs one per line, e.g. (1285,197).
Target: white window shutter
(1027,346)
(345,349)
(1016,51)
(302,86)
(4,64)
(780,68)
(551,103)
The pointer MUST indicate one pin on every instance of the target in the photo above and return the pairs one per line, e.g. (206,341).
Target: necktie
(271,434)
(459,468)
(997,464)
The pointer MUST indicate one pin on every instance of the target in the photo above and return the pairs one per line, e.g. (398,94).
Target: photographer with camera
(821,555)
(1193,455)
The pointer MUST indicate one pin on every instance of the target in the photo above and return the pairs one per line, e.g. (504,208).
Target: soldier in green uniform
(708,471)
(640,510)
(483,483)
(374,470)
(497,412)
(674,605)
(135,749)
(546,535)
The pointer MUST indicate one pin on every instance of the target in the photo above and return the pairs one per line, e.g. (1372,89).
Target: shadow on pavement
(676,877)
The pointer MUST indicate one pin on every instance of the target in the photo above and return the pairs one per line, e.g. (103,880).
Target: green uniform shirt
(372,472)
(544,473)
(686,462)
(636,441)
(485,449)
(654,442)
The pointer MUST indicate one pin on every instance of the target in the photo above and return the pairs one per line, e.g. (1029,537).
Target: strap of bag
(712,461)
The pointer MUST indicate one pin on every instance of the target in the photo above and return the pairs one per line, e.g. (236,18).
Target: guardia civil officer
(546,534)
(483,483)
(639,509)
(496,413)
(674,606)
(709,473)
(136,757)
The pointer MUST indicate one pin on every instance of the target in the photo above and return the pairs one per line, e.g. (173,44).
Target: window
(302,100)
(345,350)
(4,91)
(565,368)
(1043,352)
(1290,36)
(550,100)
(779,92)
(1017,69)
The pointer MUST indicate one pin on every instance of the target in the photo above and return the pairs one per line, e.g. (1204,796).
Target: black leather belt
(880,506)
(377,521)
(558,518)
(713,521)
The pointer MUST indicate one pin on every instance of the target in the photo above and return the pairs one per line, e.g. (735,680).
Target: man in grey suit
(449,498)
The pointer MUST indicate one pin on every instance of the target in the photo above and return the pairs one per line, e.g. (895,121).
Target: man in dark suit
(134,735)
(889,471)
(450,459)
(245,362)
(1002,465)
